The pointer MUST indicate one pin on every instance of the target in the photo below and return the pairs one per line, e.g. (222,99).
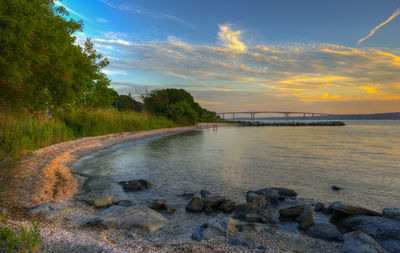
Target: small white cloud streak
(102,20)
(71,11)
(395,14)
(152,14)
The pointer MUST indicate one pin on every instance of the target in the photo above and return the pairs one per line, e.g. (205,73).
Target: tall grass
(21,132)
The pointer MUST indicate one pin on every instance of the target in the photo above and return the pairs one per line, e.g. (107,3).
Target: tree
(40,66)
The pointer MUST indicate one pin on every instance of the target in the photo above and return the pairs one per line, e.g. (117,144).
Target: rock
(285,192)
(125,203)
(253,217)
(170,210)
(195,205)
(49,210)
(305,219)
(391,213)
(291,212)
(380,228)
(241,240)
(259,200)
(339,207)
(391,245)
(187,195)
(272,195)
(212,203)
(269,216)
(135,185)
(245,226)
(158,204)
(227,206)
(336,188)
(319,207)
(101,202)
(205,193)
(246,208)
(324,231)
(215,227)
(359,242)
(137,219)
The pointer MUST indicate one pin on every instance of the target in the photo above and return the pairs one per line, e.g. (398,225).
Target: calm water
(363,158)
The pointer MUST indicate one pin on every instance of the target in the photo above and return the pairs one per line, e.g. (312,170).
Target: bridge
(287,114)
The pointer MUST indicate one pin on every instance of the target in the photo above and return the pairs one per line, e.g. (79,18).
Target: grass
(24,132)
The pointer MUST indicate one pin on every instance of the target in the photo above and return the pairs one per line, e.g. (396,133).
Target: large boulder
(339,207)
(391,213)
(195,205)
(227,206)
(135,185)
(244,209)
(306,219)
(380,228)
(324,231)
(211,203)
(359,242)
(258,199)
(49,211)
(215,227)
(285,192)
(272,195)
(137,219)
(291,212)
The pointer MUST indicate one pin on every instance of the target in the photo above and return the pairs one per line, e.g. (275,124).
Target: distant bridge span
(287,114)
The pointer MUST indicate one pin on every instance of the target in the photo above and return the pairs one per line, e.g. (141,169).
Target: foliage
(126,103)
(27,240)
(178,105)
(40,64)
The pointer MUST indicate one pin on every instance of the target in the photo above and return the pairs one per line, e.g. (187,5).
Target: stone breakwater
(293,123)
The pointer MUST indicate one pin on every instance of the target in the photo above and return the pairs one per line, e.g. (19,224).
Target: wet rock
(187,195)
(324,231)
(380,228)
(291,212)
(137,219)
(391,213)
(259,200)
(359,242)
(101,202)
(49,210)
(246,208)
(336,188)
(339,207)
(170,210)
(213,202)
(135,185)
(241,240)
(125,203)
(319,207)
(158,204)
(272,195)
(195,205)
(391,245)
(215,227)
(205,193)
(305,219)
(285,192)
(227,206)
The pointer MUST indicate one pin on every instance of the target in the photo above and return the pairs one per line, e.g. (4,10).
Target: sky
(335,56)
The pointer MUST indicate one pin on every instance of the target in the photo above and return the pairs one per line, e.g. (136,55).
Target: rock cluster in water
(360,229)
(293,123)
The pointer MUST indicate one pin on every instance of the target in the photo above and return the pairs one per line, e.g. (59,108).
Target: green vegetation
(26,240)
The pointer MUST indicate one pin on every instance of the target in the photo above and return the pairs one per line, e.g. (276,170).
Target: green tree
(40,64)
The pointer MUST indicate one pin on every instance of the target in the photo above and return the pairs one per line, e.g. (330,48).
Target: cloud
(102,20)
(126,6)
(303,73)
(72,11)
(231,39)
(395,14)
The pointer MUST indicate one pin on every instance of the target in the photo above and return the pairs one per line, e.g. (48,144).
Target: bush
(27,240)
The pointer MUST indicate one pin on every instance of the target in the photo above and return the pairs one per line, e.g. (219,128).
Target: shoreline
(47,176)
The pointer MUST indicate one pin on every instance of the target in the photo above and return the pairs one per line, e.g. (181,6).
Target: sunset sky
(324,56)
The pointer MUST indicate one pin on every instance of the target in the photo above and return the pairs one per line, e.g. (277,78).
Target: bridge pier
(286,116)
(233,116)
(252,115)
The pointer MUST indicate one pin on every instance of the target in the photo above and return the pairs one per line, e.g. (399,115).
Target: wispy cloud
(127,7)
(395,14)
(102,20)
(306,74)
(72,11)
